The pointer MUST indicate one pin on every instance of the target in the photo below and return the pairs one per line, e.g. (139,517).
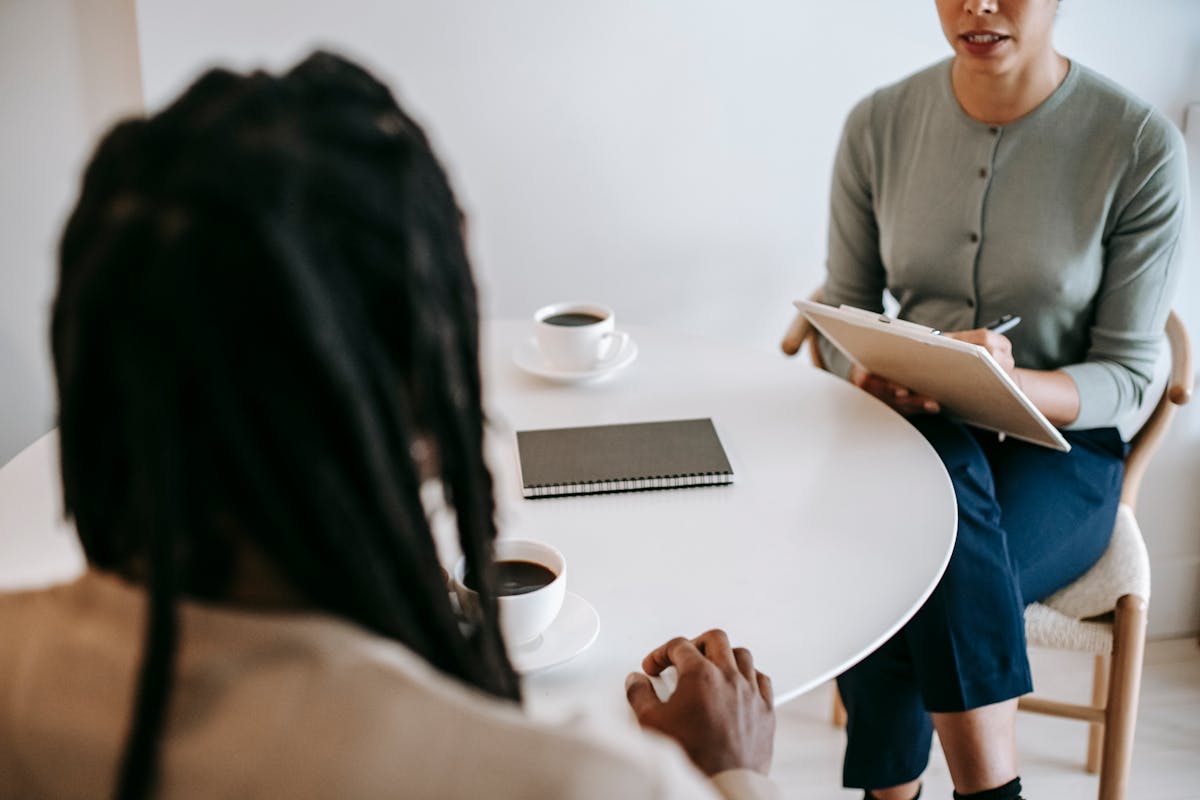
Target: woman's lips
(983,43)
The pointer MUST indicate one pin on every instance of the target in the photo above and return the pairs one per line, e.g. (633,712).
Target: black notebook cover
(621,458)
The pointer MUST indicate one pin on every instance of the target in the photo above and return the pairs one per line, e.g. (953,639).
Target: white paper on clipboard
(964,378)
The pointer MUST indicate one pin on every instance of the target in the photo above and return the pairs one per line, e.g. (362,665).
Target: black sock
(1009,791)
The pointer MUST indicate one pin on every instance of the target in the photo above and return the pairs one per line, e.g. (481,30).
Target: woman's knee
(963,457)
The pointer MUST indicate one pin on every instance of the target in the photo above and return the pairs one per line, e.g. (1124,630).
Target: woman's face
(998,36)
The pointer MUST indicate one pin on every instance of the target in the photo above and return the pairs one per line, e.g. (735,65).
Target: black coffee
(516,577)
(573,319)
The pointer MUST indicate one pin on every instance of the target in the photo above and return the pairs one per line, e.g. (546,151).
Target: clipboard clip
(886,320)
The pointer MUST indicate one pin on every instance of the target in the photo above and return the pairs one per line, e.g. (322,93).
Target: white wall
(670,158)
(67,69)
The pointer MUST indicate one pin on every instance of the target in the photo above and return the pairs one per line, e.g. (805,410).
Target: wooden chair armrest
(1178,391)
(800,330)
(1182,380)
(797,332)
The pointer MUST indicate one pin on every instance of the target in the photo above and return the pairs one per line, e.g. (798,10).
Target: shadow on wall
(87,75)
(26,396)
(1189,80)
(1168,497)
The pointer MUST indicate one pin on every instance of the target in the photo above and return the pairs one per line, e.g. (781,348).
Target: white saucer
(572,632)
(529,358)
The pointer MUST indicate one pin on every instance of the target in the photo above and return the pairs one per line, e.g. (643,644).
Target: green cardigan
(1071,217)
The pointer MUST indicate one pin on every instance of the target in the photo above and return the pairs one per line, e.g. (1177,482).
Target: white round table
(839,523)
(838,526)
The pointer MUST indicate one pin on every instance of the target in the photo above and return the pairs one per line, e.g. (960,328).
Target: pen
(1003,324)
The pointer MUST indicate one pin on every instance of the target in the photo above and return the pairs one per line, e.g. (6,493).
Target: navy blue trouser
(1030,521)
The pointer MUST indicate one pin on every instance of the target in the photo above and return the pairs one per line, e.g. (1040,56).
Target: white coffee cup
(578,337)
(523,617)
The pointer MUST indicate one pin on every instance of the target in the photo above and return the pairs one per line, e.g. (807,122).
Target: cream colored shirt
(292,705)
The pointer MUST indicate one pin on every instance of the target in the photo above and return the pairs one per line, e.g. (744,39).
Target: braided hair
(264,301)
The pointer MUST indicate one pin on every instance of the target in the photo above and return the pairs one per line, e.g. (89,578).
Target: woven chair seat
(1073,618)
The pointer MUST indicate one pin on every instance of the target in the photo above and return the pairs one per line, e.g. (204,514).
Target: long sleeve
(745,784)
(855,274)
(1143,257)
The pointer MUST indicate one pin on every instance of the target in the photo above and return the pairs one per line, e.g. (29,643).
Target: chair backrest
(1177,392)
(1145,442)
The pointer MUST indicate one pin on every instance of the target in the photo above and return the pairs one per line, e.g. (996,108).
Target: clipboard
(964,378)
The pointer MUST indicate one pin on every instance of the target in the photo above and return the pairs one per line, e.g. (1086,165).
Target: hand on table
(722,710)
(908,402)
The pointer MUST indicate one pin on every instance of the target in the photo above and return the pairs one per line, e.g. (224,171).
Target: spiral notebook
(621,458)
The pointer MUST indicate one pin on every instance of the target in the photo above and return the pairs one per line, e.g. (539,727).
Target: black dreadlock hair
(264,301)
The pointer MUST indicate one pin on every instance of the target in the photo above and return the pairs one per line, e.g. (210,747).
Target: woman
(1004,180)
(265,339)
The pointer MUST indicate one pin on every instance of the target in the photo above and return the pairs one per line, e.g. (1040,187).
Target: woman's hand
(722,710)
(901,398)
(908,402)
(1053,392)
(995,343)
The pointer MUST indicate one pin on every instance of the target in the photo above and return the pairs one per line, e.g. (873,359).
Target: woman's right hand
(901,398)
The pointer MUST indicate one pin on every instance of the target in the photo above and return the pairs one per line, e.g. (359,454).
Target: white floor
(1166,760)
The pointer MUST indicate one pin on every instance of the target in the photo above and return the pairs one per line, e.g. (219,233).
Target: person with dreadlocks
(265,338)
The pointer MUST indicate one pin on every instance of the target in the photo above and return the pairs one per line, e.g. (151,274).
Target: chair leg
(1125,681)
(838,717)
(1099,698)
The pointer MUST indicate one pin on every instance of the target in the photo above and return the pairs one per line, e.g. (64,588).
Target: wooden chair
(1103,612)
